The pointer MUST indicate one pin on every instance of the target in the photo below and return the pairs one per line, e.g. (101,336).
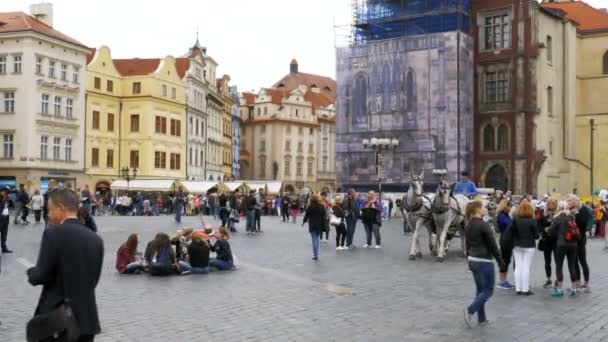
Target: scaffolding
(386,19)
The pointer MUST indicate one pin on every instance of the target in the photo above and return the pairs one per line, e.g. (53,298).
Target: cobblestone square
(279,294)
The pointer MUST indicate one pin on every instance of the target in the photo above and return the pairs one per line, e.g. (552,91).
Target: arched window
(359,101)
(606,63)
(386,88)
(410,85)
(397,82)
(503,138)
(374,80)
(488,138)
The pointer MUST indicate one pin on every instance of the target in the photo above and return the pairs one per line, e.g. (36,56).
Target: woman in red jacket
(126,260)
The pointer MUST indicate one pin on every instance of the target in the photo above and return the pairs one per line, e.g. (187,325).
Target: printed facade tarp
(144,185)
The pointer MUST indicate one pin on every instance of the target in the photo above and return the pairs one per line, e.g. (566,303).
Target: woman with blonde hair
(481,248)
(315,216)
(525,234)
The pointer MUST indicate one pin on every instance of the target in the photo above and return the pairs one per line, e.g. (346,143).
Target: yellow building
(226,115)
(589,100)
(136,114)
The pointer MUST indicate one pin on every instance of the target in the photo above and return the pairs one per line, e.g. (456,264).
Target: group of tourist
(557,228)
(185,253)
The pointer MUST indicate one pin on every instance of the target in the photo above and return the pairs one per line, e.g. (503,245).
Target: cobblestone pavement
(279,294)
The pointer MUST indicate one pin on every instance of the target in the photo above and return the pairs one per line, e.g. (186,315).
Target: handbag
(5,211)
(54,324)
(541,244)
(335,220)
(234,216)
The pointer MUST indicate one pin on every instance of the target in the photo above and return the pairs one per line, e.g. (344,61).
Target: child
(223,260)
(126,257)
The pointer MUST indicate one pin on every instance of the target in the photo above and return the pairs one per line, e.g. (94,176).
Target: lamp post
(128,174)
(379,146)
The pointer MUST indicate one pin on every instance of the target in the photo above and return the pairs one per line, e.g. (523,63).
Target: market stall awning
(255,185)
(144,185)
(233,185)
(198,187)
(274,187)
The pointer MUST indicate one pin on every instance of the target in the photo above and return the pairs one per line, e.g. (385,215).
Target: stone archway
(497,178)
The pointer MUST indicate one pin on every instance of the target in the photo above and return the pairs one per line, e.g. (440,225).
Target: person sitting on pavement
(197,261)
(181,240)
(465,186)
(126,257)
(223,260)
(160,256)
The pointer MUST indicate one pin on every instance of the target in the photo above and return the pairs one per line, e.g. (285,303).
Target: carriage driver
(465,186)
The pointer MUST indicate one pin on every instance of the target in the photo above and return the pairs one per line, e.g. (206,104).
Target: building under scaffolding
(387,19)
(406,74)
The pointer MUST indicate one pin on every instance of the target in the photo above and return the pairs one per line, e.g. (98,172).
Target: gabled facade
(42,102)
(215,108)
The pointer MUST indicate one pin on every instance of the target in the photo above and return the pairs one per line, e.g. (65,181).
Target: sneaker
(366,246)
(573,293)
(315,258)
(585,289)
(555,284)
(467,318)
(186,272)
(505,285)
(378,246)
(519,293)
(484,323)
(548,284)
(338,248)
(528,293)
(557,292)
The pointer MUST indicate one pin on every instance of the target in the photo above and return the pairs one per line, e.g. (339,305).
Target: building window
(52,69)
(110,158)
(136,87)
(265,110)
(57,106)
(496,87)
(9,102)
(497,31)
(97,82)
(75,72)
(299,168)
(164,90)
(110,122)
(605,71)
(69,108)
(259,111)
(160,125)
(109,86)
(287,167)
(95,120)
(324,164)
(195,157)
(134,159)
(325,144)
(160,160)
(311,148)
(2,64)
(191,126)
(287,146)
(309,168)
(95,157)
(551,146)
(503,138)
(262,146)
(38,65)
(549,49)
(263,129)
(17,64)
(8,146)
(45,104)
(64,72)
(550,100)
(201,158)
(135,123)
(68,149)
(175,161)
(190,156)
(288,129)
(296,112)
(488,138)
(176,128)
(300,147)
(197,128)
(44,145)
(173,93)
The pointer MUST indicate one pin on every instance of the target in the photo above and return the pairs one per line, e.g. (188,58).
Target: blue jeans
(351,223)
(250,219)
(224,215)
(371,227)
(483,274)
(134,267)
(315,235)
(178,212)
(223,265)
(184,266)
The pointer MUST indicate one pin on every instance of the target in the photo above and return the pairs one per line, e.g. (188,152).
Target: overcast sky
(253,41)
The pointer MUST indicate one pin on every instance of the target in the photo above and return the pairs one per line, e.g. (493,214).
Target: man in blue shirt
(465,186)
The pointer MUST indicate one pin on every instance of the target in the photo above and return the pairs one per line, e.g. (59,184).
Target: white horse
(448,217)
(418,213)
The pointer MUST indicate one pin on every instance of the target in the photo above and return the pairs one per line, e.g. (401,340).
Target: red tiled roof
(19,21)
(317,99)
(244,153)
(291,81)
(182,65)
(588,17)
(249,98)
(276,95)
(136,66)
(90,55)
(327,118)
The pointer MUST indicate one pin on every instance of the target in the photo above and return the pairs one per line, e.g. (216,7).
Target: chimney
(43,12)
(293,66)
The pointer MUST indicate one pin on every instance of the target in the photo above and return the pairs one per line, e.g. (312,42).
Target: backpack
(572,233)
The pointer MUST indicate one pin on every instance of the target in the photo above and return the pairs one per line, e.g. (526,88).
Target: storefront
(61,181)
(9,182)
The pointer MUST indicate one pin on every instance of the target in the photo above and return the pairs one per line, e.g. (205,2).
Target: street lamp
(128,174)
(380,145)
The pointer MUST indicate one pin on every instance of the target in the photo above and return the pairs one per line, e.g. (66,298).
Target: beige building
(223,85)
(288,132)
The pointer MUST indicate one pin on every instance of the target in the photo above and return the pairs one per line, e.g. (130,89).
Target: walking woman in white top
(36,205)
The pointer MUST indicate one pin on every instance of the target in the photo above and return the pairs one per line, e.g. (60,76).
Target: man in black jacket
(352,214)
(69,273)
(21,205)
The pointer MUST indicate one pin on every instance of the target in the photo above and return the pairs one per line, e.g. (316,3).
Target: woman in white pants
(525,234)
